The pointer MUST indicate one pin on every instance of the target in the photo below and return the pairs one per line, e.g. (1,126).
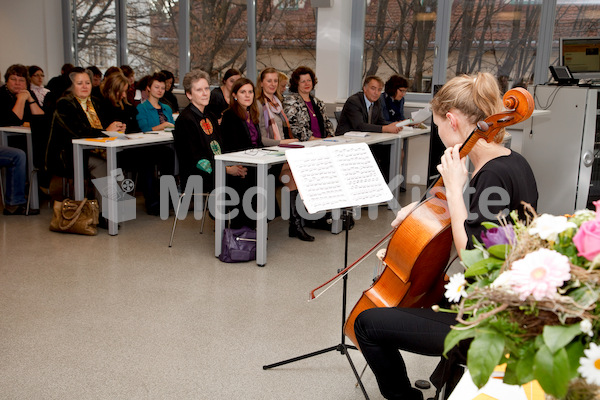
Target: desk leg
(219,209)
(112,206)
(78,171)
(404,146)
(35,200)
(261,209)
(395,153)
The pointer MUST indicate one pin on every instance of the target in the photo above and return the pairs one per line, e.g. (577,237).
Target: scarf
(272,108)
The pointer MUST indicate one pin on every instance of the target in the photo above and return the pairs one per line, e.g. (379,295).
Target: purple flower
(501,235)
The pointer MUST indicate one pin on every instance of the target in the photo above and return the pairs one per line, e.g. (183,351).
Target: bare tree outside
(399,39)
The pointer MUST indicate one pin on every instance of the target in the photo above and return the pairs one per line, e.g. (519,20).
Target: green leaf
(483,267)
(574,353)
(489,225)
(552,371)
(558,336)
(484,354)
(525,369)
(455,336)
(499,251)
(470,257)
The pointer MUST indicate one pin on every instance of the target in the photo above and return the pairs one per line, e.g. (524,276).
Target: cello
(415,275)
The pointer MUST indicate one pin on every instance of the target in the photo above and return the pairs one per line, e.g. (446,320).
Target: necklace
(310,108)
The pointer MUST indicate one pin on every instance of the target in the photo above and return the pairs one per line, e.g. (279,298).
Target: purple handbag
(238,245)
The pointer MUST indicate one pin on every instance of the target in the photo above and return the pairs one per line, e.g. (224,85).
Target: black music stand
(342,347)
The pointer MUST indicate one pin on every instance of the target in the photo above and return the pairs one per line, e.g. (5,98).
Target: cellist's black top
(499,186)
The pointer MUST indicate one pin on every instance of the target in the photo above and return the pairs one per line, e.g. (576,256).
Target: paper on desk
(356,134)
(118,135)
(416,117)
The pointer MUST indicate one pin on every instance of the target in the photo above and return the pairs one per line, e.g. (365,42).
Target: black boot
(296,228)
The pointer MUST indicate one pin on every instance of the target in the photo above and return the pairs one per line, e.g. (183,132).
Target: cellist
(500,181)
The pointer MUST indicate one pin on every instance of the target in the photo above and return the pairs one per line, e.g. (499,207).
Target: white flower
(589,366)
(586,327)
(502,281)
(455,289)
(549,226)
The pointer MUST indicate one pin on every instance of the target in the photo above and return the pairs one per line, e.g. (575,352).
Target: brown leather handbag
(71,216)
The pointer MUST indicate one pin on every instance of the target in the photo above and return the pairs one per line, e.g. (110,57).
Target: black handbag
(238,245)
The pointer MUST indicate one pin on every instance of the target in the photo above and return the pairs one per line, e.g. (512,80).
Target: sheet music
(330,177)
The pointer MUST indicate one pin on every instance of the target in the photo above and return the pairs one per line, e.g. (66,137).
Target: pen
(270,150)
(330,140)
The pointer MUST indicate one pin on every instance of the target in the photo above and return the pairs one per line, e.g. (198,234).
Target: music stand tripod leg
(342,347)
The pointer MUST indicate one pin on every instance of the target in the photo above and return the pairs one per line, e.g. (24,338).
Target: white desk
(6,131)
(262,160)
(111,147)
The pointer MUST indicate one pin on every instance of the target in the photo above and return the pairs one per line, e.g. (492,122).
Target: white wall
(31,34)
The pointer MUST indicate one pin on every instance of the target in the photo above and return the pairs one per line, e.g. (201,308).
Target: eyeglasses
(403,90)
(38,75)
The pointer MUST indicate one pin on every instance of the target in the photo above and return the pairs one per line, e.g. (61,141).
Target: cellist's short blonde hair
(476,96)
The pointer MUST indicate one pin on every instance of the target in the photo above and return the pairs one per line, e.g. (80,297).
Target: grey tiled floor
(126,317)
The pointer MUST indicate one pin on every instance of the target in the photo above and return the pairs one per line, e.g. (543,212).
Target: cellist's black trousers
(381,332)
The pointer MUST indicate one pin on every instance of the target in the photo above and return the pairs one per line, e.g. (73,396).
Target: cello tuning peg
(483,126)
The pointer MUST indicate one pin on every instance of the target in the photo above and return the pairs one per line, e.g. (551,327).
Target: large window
(399,39)
(286,33)
(218,36)
(96,33)
(494,36)
(152,36)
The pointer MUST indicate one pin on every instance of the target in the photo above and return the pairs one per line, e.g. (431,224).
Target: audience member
(196,134)
(96,80)
(392,99)
(141,92)
(154,115)
(61,83)
(362,110)
(14,160)
(143,160)
(17,105)
(114,90)
(169,98)
(77,115)
(283,84)
(240,131)
(130,75)
(219,96)
(274,125)
(36,85)
(306,113)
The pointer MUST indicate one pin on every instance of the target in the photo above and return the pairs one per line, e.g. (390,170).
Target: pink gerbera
(539,274)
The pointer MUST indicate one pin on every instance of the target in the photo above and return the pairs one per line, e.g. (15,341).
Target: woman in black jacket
(241,131)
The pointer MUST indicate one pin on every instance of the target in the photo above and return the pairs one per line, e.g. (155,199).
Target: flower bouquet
(528,298)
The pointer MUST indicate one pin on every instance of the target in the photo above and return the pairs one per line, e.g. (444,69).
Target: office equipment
(582,56)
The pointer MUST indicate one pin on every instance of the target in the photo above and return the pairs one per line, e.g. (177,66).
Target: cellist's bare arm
(455,175)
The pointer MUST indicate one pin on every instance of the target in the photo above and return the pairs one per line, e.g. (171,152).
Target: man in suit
(362,110)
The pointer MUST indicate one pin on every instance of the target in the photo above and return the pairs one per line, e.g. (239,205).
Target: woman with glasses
(36,86)
(305,112)
(392,99)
